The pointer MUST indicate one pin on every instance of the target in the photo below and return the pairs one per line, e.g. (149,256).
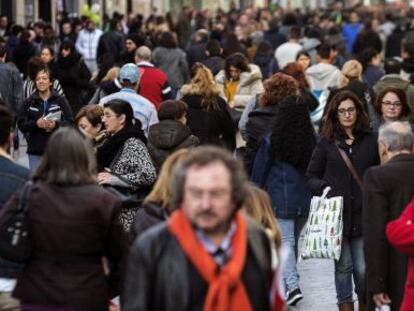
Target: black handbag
(15,239)
(129,198)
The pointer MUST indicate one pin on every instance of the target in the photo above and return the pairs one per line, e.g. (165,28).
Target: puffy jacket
(250,85)
(327,168)
(87,43)
(285,185)
(33,109)
(167,136)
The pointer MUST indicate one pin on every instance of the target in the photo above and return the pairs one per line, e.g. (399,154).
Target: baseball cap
(129,72)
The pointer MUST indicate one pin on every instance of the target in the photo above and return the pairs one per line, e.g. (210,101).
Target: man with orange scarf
(208,256)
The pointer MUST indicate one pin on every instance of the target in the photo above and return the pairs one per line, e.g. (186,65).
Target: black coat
(33,109)
(214,127)
(74,77)
(387,191)
(167,136)
(21,56)
(258,125)
(157,261)
(214,63)
(327,168)
(110,47)
(148,215)
(72,229)
(196,53)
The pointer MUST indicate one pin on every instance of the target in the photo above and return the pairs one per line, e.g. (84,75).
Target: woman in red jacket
(400,233)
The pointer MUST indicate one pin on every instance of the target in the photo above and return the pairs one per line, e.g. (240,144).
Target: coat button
(409,222)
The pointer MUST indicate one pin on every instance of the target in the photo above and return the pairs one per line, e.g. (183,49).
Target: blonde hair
(161,191)
(203,84)
(257,204)
(352,69)
(112,74)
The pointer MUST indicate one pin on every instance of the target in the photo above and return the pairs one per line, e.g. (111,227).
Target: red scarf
(226,291)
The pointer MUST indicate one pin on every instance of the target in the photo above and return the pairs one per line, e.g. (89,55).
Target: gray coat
(173,63)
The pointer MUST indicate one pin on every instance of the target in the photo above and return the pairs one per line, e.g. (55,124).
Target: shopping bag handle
(325,192)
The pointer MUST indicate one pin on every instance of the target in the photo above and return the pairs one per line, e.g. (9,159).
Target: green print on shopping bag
(323,232)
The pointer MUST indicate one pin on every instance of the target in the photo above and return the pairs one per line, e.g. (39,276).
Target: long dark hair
(293,137)
(238,61)
(331,128)
(68,160)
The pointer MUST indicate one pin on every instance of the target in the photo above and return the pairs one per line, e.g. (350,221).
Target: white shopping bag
(323,231)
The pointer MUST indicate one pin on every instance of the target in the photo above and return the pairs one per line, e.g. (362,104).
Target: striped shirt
(29,87)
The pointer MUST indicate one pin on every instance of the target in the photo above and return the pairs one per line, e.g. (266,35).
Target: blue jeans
(351,263)
(34,161)
(291,229)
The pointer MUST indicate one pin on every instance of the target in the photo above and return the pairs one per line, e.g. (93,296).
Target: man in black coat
(185,263)
(110,45)
(387,191)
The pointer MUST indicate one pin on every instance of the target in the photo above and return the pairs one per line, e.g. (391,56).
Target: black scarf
(107,152)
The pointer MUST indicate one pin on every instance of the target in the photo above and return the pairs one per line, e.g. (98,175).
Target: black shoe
(294,297)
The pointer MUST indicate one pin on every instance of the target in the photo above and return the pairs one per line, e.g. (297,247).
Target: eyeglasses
(390,104)
(344,111)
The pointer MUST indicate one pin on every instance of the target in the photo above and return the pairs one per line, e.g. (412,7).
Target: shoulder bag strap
(350,166)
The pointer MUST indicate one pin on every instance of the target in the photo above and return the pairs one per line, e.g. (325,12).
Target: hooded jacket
(166,137)
(250,85)
(322,76)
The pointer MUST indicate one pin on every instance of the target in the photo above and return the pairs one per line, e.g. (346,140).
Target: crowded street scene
(182,155)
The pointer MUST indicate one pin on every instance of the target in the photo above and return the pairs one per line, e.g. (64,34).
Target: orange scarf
(226,291)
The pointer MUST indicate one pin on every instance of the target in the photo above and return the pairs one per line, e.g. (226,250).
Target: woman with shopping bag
(346,149)
(279,168)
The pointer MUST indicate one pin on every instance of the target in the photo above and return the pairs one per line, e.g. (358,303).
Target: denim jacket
(12,177)
(285,185)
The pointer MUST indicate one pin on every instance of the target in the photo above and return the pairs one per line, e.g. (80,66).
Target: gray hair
(397,136)
(203,156)
(144,53)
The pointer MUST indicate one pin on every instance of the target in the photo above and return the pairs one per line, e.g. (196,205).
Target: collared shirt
(221,253)
(143,109)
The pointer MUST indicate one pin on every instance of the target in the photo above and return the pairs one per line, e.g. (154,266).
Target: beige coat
(250,85)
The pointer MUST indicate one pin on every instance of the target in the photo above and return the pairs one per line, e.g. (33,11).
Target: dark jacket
(110,47)
(214,63)
(72,229)
(148,215)
(214,127)
(11,86)
(257,126)
(267,63)
(12,178)
(196,53)
(285,185)
(158,262)
(21,56)
(166,137)
(327,168)
(33,109)
(387,191)
(372,74)
(74,77)
(274,38)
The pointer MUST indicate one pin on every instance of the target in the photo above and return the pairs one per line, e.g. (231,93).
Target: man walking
(144,110)
(87,45)
(208,256)
(387,191)
(153,84)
